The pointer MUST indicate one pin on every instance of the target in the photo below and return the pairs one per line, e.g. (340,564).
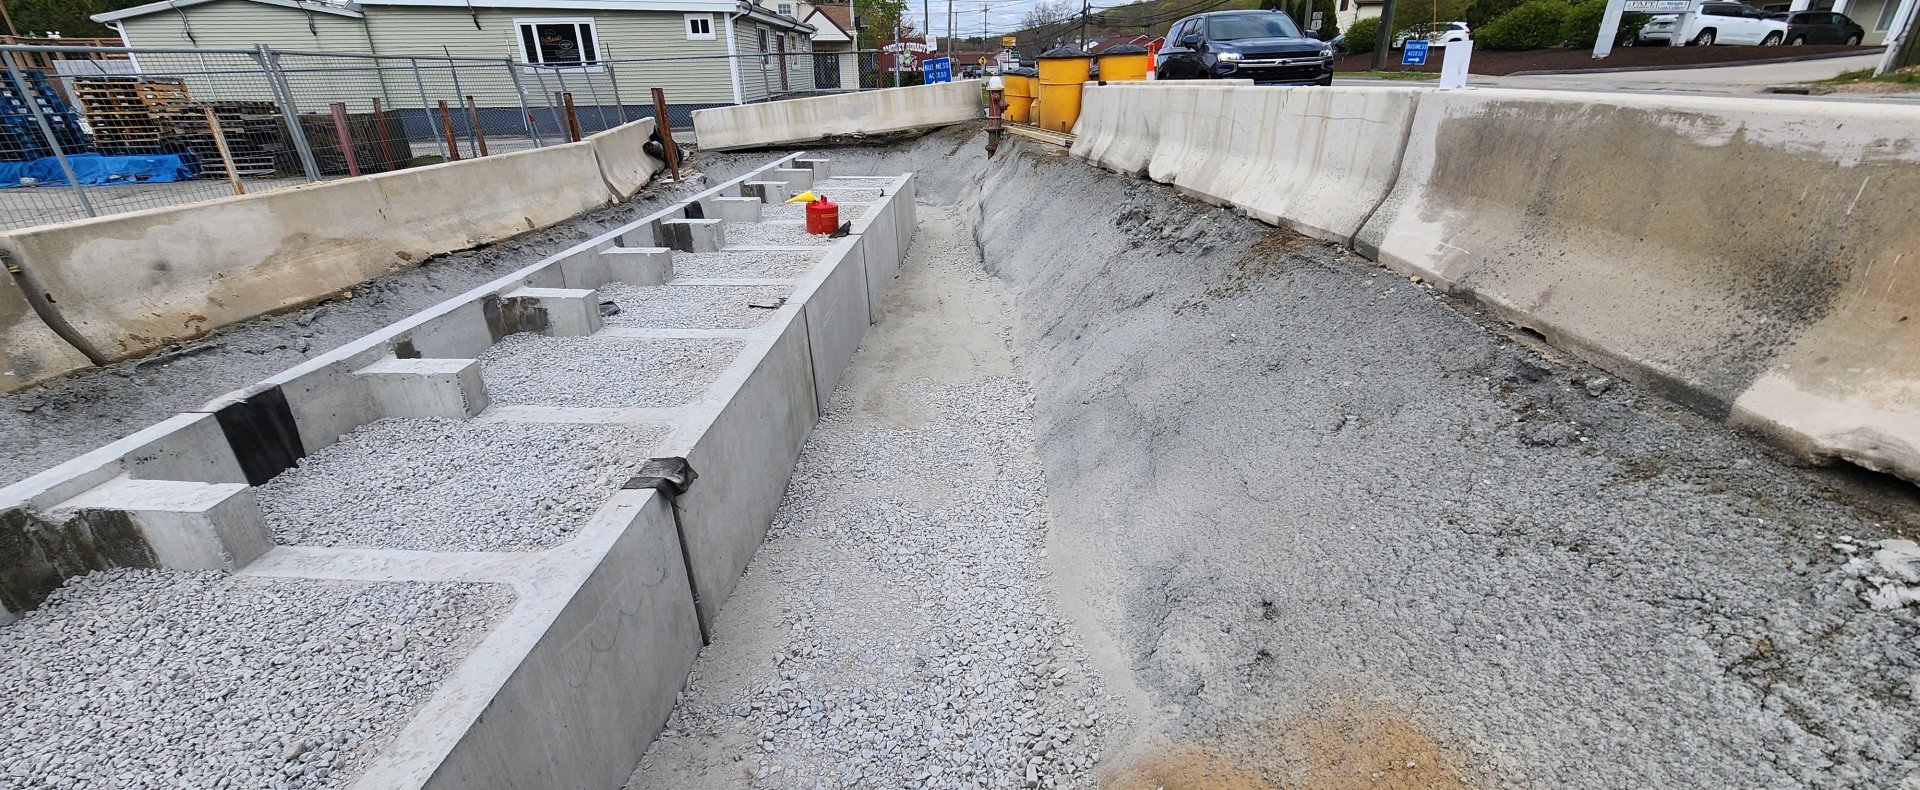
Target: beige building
(605,53)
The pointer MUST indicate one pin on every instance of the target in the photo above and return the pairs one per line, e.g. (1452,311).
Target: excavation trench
(1119,490)
(1306,524)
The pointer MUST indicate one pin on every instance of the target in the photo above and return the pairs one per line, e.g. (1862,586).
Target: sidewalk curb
(1691,66)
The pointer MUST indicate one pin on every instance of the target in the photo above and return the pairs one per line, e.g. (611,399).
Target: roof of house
(352,8)
(1113,41)
(826,27)
(342,9)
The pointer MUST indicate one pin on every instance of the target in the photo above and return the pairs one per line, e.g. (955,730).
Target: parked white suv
(1730,23)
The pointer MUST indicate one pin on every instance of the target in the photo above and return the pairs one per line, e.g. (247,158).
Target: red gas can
(823,216)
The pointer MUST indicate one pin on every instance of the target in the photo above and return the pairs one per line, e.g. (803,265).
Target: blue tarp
(99,169)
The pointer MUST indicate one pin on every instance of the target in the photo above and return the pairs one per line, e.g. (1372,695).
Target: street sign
(1415,54)
(1007,41)
(937,70)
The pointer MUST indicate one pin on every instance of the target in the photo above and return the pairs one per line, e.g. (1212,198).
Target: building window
(559,42)
(766,61)
(1887,12)
(699,27)
(786,9)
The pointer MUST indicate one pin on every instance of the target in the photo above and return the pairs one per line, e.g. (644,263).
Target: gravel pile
(895,629)
(446,485)
(602,372)
(744,263)
(692,306)
(136,678)
(797,212)
(774,234)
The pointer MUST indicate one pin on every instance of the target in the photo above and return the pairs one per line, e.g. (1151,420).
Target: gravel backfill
(138,678)
(895,630)
(602,372)
(692,306)
(52,423)
(797,212)
(444,485)
(774,234)
(745,263)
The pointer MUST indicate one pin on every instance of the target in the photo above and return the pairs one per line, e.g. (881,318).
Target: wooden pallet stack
(254,131)
(124,112)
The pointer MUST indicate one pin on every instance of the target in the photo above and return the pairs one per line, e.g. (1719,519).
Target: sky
(1002,16)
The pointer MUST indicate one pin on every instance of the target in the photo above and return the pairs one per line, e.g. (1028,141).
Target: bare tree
(1045,14)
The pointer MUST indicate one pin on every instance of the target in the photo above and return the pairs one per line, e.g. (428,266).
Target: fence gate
(826,71)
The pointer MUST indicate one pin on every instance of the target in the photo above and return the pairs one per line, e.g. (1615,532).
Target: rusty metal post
(346,139)
(220,144)
(387,162)
(446,121)
(473,120)
(573,118)
(664,125)
(995,89)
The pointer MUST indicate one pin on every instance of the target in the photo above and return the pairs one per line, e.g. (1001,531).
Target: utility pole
(1085,8)
(11,30)
(1383,41)
(950,34)
(1901,44)
(926,18)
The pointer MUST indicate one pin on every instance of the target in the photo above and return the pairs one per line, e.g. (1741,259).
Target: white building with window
(703,53)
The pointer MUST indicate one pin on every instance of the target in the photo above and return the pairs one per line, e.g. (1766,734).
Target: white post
(1799,5)
(1453,64)
(1902,27)
(1839,6)
(1610,28)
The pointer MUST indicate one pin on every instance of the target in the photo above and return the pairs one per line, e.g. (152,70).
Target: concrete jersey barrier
(128,284)
(1317,161)
(30,350)
(865,112)
(1751,257)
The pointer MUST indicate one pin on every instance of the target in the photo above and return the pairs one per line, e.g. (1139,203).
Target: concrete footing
(639,265)
(767,191)
(186,526)
(732,209)
(694,235)
(799,179)
(424,388)
(571,686)
(822,168)
(560,312)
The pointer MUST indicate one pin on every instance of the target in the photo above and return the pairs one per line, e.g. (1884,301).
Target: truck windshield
(1230,27)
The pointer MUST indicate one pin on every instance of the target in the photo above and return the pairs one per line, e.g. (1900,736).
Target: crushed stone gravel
(797,212)
(774,234)
(745,263)
(52,423)
(895,630)
(692,306)
(445,485)
(141,678)
(602,372)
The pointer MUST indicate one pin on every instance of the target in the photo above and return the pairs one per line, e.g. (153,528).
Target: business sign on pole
(1415,54)
(1658,6)
(937,70)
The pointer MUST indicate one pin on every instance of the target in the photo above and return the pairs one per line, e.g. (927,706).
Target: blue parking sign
(1415,54)
(937,70)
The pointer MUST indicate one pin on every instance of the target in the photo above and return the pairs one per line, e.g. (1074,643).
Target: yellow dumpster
(1125,63)
(1019,95)
(1062,72)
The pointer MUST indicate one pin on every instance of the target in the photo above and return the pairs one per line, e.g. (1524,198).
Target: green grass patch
(1388,75)
(1907,76)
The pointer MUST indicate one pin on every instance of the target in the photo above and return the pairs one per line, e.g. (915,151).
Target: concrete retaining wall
(1317,161)
(130,283)
(863,113)
(570,688)
(1752,257)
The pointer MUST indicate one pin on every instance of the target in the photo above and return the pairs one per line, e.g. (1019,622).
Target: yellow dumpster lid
(1063,52)
(1125,49)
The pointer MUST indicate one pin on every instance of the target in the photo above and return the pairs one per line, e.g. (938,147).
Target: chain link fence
(108,130)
